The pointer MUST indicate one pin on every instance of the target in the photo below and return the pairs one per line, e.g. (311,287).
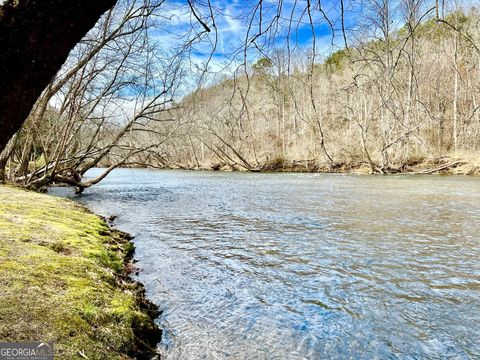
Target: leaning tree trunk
(5,155)
(35,40)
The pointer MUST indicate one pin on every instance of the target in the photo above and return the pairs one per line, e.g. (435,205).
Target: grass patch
(60,280)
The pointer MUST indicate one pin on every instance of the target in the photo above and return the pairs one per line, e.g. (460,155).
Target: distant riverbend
(303,266)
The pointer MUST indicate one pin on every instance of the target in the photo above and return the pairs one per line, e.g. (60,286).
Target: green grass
(59,268)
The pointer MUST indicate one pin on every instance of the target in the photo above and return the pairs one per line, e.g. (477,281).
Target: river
(303,266)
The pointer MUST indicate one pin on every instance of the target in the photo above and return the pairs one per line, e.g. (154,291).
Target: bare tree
(116,84)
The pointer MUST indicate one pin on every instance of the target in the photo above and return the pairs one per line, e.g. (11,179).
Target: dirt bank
(443,165)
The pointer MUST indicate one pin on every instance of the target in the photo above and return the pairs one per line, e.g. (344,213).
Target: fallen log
(443,167)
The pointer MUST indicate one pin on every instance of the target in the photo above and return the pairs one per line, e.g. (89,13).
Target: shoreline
(65,276)
(439,166)
(147,335)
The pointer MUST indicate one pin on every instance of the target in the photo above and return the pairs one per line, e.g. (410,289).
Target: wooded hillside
(407,98)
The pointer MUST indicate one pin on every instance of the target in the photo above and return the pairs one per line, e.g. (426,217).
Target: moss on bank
(63,279)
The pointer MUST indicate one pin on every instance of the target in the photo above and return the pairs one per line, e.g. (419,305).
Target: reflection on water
(304,266)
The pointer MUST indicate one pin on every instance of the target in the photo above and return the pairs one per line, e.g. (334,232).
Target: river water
(304,266)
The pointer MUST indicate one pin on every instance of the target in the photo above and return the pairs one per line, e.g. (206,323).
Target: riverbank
(64,277)
(467,164)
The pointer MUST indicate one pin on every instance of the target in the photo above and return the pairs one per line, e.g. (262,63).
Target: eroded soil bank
(447,165)
(64,277)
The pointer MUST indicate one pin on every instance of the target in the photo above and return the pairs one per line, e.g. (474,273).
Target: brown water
(304,266)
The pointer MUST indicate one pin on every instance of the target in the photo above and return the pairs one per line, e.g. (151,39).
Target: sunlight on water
(304,266)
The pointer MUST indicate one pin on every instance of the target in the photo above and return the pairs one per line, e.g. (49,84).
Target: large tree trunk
(35,40)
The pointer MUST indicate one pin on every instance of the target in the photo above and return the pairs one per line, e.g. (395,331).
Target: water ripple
(305,266)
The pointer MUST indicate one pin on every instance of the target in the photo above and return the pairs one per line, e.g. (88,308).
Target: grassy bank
(64,278)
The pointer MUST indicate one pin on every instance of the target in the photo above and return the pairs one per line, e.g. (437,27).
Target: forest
(406,98)
(396,92)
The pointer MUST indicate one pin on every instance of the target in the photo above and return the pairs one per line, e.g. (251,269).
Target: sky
(238,23)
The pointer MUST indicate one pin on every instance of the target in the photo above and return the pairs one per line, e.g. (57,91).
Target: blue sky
(238,23)
(232,19)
